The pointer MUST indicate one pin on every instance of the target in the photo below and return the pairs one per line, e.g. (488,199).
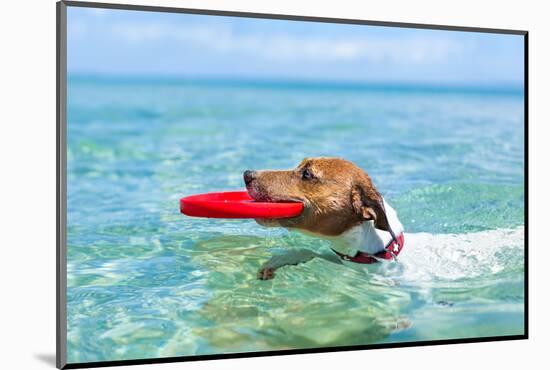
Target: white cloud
(284,46)
(98,12)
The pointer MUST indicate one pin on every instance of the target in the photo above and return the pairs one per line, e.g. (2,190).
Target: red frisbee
(236,204)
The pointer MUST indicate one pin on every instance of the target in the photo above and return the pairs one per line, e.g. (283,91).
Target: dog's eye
(307,175)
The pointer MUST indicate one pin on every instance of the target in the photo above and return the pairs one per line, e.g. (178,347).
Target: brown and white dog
(340,204)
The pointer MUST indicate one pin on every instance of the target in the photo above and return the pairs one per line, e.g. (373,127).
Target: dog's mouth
(260,196)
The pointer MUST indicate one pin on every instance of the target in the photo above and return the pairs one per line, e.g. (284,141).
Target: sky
(136,43)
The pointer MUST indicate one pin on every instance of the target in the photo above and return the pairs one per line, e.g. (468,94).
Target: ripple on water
(144,281)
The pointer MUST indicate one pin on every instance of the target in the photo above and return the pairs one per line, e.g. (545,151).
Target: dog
(341,205)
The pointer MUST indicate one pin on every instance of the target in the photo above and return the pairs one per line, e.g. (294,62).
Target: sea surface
(146,281)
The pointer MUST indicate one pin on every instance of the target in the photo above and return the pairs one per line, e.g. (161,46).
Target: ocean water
(145,281)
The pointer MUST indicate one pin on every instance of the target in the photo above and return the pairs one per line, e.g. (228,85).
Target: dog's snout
(249,176)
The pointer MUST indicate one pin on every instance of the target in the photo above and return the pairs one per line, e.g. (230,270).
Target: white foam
(428,258)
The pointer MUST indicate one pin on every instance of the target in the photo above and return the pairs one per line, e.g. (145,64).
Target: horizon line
(288,81)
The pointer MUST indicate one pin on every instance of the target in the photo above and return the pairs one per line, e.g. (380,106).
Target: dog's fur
(340,201)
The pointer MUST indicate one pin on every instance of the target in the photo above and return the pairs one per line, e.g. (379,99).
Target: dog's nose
(249,176)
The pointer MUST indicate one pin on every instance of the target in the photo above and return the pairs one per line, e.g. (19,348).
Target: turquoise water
(145,281)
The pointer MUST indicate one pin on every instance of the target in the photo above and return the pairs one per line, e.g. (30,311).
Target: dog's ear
(367,203)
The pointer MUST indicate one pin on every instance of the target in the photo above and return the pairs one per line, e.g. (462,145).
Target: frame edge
(61,185)
(289,17)
(526,180)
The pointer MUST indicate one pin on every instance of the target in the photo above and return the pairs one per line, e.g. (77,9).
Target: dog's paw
(266,273)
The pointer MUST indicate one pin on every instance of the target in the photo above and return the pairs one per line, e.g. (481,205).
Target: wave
(445,257)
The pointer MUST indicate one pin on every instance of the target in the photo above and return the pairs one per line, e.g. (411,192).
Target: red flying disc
(236,204)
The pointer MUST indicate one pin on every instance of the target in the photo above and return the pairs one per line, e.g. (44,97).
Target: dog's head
(336,194)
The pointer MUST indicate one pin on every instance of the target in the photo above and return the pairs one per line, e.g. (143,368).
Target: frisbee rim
(236,204)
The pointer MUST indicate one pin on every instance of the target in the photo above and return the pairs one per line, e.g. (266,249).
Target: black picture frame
(61,186)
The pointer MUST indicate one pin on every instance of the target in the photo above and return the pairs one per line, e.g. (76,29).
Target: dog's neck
(365,237)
